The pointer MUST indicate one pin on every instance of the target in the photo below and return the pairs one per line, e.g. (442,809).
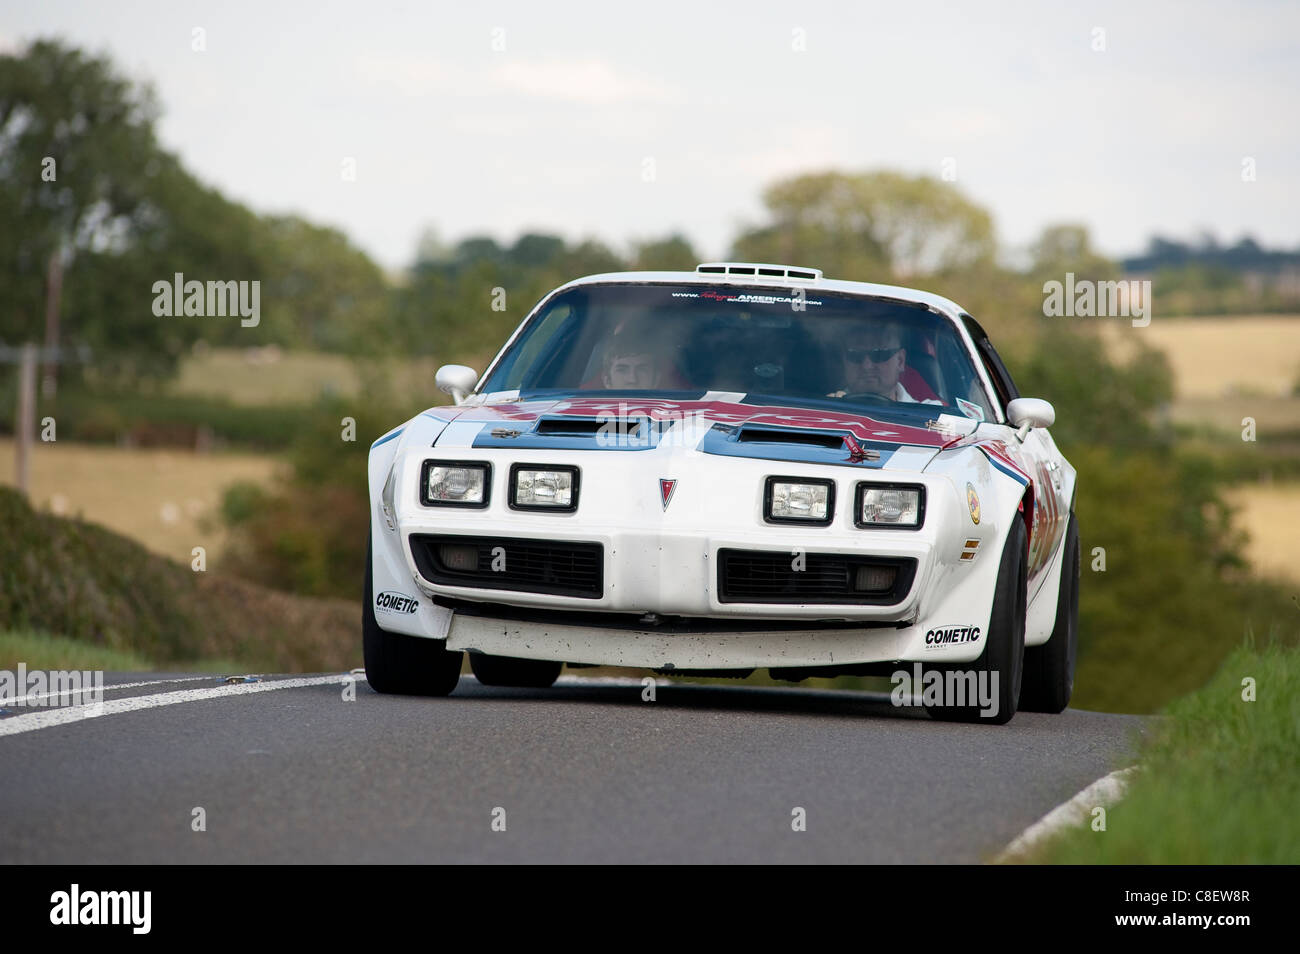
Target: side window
(997,371)
(526,351)
(961,380)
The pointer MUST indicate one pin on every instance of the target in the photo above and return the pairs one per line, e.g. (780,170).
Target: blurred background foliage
(1174,596)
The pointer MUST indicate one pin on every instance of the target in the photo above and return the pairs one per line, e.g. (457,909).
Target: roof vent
(755,270)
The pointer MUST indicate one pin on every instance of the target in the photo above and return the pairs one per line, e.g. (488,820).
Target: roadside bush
(78,580)
(308,534)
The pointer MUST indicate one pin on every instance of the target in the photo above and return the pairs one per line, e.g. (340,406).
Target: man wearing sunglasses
(874,361)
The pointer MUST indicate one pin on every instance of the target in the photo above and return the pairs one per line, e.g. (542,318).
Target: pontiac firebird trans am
(745,466)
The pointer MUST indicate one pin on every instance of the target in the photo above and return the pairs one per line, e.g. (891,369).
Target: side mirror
(456,380)
(1024,413)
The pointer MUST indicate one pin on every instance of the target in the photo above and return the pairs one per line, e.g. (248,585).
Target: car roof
(867,289)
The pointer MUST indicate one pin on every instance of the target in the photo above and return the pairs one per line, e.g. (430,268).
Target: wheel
(1049,668)
(519,673)
(402,664)
(1003,655)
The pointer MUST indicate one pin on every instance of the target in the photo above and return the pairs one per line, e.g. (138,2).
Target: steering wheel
(868,396)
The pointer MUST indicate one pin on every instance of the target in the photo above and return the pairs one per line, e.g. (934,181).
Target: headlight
(790,500)
(455,484)
(890,505)
(543,488)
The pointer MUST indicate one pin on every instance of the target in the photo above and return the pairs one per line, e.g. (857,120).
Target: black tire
(516,673)
(1004,644)
(401,664)
(1049,668)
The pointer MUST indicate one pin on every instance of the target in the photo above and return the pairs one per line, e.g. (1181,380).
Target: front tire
(1003,655)
(401,664)
(1049,668)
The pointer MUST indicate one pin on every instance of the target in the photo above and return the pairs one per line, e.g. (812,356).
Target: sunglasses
(876,355)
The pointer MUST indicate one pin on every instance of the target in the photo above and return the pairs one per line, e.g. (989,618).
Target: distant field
(1249,355)
(160,498)
(268,376)
(1270,513)
(1226,370)
(1275,417)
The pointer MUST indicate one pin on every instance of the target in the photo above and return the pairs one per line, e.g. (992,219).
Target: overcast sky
(561,128)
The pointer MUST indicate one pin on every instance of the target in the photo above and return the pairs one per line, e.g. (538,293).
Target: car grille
(767,576)
(529,566)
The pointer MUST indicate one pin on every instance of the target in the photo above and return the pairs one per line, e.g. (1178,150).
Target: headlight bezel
(483,465)
(860,491)
(512,487)
(769,488)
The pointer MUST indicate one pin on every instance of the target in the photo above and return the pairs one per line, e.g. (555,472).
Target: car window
(992,361)
(789,344)
(527,360)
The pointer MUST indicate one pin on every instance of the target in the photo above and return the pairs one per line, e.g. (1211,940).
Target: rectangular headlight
(791,500)
(543,488)
(455,484)
(890,505)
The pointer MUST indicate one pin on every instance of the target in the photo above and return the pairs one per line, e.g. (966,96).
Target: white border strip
(13,725)
(1103,792)
(107,687)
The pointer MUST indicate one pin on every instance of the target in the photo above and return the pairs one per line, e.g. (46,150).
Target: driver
(874,359)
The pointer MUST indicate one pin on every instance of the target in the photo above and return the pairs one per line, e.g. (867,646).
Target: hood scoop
(772,435)
(572,427)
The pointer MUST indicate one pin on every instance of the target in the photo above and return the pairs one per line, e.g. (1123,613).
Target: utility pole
(25,425)
(27,357)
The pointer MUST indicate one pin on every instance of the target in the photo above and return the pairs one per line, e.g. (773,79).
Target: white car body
(661,605)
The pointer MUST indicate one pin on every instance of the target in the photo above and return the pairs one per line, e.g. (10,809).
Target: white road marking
(1104,792)
(49,718)
(610,681)
(37,696)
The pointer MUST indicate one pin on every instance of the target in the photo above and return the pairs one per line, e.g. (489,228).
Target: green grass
(1220,777)
(41,650)
(265,377)
(44,651)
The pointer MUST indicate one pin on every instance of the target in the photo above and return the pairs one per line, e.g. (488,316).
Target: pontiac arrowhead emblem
(666,489)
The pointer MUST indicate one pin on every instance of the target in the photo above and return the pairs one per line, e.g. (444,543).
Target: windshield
(792,345)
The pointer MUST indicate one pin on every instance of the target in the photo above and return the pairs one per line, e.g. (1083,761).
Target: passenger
(630,364)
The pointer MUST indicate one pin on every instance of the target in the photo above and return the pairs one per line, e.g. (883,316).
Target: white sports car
(746,466)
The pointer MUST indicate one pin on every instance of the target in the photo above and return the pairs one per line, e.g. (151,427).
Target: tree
(671,254)
(76,144)
(1066,248)
(870,226)
(533,250)
(322,291)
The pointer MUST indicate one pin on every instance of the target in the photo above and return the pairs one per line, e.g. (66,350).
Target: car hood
(723,425)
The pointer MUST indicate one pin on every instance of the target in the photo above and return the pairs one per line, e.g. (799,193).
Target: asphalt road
(577,773)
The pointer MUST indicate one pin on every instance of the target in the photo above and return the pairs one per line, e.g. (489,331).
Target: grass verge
(97,588)
(44,651)
(1220,778)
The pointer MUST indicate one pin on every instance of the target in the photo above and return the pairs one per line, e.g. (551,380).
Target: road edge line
(67,715)
(1104,792)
